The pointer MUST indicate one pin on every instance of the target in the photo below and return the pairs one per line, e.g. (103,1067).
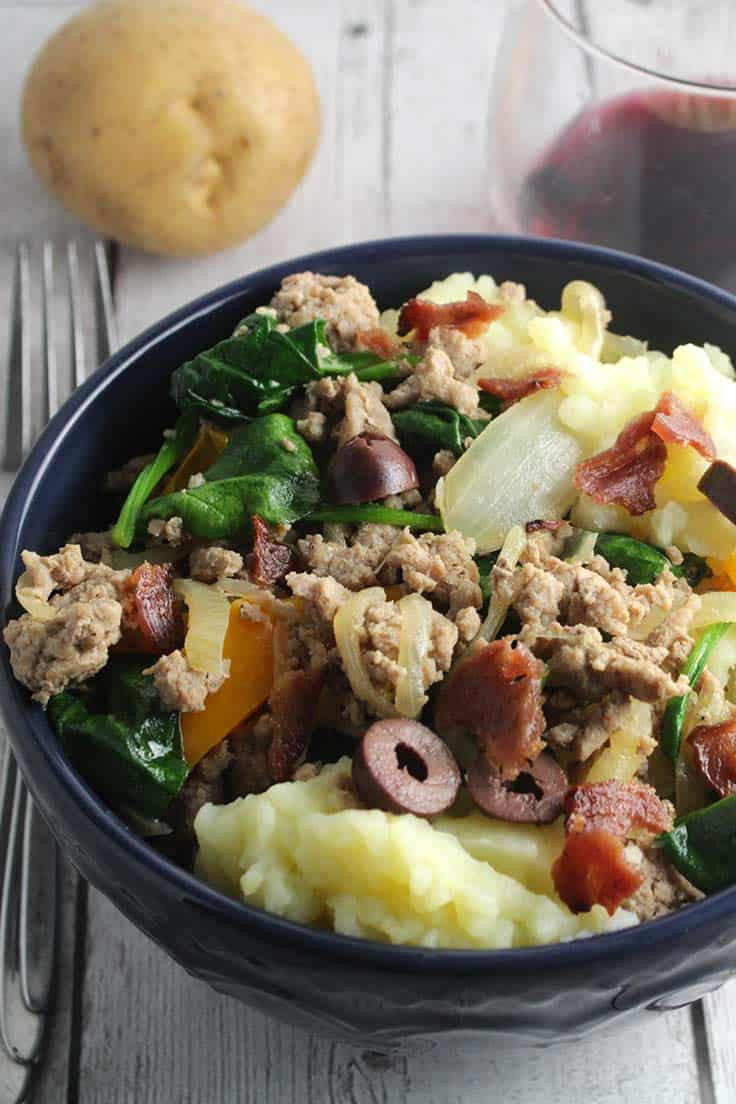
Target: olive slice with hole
(369,467)
(534,797)
(401,766)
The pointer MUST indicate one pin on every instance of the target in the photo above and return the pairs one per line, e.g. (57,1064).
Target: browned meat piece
(271,559)
(152,622)
(337,408)
(209,563)
(434,377)
(495,693)
(205,784)
(354,561)
(347,305)
(438,565)
(182,688)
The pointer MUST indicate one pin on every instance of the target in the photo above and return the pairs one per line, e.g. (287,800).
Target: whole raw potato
(178,126)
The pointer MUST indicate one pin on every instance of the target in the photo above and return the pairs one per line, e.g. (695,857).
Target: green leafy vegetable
(676,709)
(259,369)
(485,567)
(644,563)
(121,739)
(267,469)
(171,451)
(703,846)
(379,515)
(430,426)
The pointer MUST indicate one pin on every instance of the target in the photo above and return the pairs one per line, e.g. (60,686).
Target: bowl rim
(23,716)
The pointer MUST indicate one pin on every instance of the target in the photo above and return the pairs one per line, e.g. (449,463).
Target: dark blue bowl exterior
(329,984)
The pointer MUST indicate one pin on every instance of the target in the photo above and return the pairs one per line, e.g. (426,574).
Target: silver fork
(29,861)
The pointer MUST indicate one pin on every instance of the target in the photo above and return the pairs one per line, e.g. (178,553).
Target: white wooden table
(406,86)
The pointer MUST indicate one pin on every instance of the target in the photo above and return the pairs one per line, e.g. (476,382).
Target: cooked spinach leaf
(430,426)
(259,369)
(267,469)
(173,448)
(644,563)
(379,515)
(702,846)
(676,708)
(485,567)
(121,739)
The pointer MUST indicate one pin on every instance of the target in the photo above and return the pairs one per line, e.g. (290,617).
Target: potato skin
(175,126)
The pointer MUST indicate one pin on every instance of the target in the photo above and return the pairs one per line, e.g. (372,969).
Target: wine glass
(615,123)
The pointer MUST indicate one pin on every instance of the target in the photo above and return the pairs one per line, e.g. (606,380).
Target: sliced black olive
(534,797)
(719,485)
(369,467)
(403,767)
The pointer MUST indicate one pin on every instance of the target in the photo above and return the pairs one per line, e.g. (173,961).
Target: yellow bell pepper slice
(249,647)
(724,575)
(206,449)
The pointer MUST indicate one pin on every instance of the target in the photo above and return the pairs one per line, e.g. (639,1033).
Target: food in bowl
(419,625)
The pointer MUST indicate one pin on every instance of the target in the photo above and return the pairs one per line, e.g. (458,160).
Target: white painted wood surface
(406,88)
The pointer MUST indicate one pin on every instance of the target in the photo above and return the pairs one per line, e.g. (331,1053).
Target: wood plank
(153,1033)
(438,101)
(719,1012)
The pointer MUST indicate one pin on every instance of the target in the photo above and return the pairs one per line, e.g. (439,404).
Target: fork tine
(39,867)
(18,435)
(79,371)
(107,335)
(21,1032)
(50,374)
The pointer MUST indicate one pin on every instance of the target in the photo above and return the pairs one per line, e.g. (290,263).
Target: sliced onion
(347,624)
(27,595)
(519,469)
(582,547)
(209,616)
(241,588)
(414,641)
(511,550)
(584,304)
(717,605)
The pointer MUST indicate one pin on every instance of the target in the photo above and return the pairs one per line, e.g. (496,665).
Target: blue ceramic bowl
(333,985)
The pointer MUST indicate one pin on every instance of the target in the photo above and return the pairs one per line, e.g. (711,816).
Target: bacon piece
(615,807)
(471,315)
(627,472)
(496,693)
(592,870)
(675,424)
(270,559)
(293,703)
(714,747)
(511,390)
(549,526)
(152,622)
(378,341)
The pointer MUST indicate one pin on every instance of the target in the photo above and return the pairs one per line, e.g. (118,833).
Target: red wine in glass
(652,172)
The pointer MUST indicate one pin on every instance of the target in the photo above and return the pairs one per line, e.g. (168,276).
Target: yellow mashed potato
(607,382)
(304,850)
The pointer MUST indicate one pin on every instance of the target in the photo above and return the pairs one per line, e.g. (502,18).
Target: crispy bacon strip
(511,390)
(592,868)
(615,807)
(378,341)
(496,693)
(627,473)
(714,747)
(152,621)
(293,702)
(675,424)
(471,315)
(270,559)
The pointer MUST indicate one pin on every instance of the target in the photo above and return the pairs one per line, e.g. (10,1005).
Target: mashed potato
(603,388)
(305,851)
